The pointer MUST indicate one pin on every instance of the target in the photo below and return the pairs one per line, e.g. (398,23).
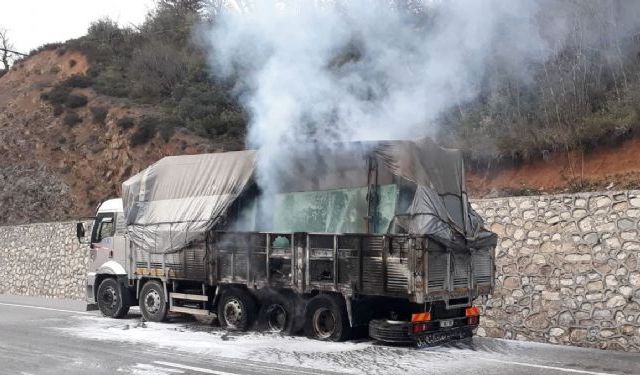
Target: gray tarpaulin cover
(177,199)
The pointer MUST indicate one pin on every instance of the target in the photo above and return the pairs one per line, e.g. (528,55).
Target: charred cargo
(370,234)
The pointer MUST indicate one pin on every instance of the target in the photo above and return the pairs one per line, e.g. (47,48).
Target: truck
(328,239)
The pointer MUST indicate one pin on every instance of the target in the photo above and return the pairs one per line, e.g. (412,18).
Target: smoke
(333,71)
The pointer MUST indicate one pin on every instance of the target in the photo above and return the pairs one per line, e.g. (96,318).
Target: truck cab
(106,247)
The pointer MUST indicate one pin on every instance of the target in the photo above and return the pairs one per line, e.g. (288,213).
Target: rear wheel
(236,310)
(326,319)
(110,299)
(276,314)
(153,302)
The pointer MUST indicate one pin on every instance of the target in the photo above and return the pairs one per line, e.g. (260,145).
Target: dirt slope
(610,167)
(51,171)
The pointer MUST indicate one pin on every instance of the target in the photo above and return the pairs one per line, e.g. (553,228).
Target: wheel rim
(276,318)
(324,323)
(233,313)
(110,298)
(152,302)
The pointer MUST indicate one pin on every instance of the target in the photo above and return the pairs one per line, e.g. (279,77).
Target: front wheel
(110,299)
(326,319)
(153,302)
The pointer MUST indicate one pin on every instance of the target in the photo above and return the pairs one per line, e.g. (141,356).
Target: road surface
(44,336)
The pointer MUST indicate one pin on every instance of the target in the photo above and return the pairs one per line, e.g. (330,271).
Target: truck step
(189,310)
(190,297)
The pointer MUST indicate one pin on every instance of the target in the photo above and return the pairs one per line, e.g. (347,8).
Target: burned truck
(330,240)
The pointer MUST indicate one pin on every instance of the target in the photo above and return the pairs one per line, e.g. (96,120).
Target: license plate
(446,323)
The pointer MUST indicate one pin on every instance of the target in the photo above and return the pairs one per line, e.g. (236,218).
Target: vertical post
(360,263)
(335,261)
(249,248)
(295,274)
(267,250)
(385,251)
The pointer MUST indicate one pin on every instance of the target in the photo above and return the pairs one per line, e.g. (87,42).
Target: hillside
(78,118)
(51,170)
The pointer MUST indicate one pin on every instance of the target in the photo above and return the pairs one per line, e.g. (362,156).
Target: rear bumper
(395,332)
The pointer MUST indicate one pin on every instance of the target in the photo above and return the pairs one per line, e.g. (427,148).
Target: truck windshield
(102,229)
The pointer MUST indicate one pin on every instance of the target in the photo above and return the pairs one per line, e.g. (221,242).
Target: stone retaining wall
(567,269)
(42,260)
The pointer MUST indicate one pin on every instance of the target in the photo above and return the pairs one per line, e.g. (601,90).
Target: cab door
(102,240)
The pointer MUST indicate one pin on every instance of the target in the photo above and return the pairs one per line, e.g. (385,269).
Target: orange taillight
(472,311)
(421,317)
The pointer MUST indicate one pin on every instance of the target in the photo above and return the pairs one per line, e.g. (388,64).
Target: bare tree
(5,49)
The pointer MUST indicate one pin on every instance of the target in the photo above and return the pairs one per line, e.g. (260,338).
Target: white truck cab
(107,248)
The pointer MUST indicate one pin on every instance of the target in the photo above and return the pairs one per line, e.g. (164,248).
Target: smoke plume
(329,71)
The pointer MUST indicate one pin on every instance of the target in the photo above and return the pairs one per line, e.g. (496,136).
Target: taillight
(472,311)
(420,317)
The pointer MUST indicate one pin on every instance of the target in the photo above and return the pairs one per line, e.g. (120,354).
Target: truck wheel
(110,299)
(153,302)
(236,310)
(326,319)
(276,315)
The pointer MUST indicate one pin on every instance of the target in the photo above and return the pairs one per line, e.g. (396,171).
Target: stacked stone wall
(42,260)
(567,269)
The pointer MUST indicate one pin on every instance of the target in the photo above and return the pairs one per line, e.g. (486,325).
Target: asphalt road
(43,336)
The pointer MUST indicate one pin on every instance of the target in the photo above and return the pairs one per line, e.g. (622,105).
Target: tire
(110,299)
(326,319)
(277,314)
(236,310)
(153,302)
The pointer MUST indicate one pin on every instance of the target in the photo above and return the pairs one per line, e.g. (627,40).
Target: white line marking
(44,308)
(197,369)
(548,367)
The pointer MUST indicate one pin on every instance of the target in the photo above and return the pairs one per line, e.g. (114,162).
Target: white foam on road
(273,350)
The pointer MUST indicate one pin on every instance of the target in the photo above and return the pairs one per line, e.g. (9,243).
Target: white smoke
(328,71)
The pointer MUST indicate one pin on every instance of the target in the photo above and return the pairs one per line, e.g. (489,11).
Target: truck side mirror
(80,232)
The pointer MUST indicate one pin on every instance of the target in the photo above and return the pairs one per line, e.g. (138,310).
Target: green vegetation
(125,122)
(586,93)
(159,64)
(71,119)
(76,101)
(99,114)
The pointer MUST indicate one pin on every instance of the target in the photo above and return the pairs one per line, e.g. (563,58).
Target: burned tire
(110,299)
(326,319)
(236,310)
(277,314)
(153,302)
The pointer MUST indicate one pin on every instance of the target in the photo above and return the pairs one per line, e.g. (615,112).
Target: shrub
(99,114)
(71,119)
(57,110)
(78,80)
(146,131)
(125,122)
(72,63)
(76,101)
(57,95)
